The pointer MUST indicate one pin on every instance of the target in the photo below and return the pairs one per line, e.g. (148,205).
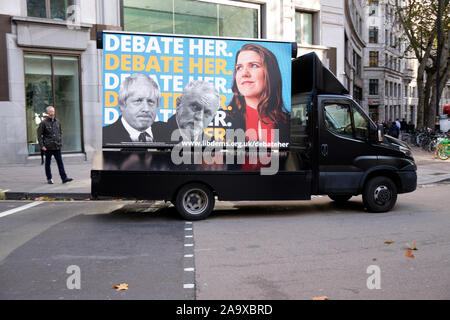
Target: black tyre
(340,197)
(194,201)
(380,194)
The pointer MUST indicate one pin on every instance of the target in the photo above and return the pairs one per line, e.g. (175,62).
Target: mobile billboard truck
(193,119)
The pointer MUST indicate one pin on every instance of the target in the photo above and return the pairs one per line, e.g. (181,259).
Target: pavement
(27,181)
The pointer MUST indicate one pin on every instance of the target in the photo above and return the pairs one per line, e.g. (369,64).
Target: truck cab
(349,154)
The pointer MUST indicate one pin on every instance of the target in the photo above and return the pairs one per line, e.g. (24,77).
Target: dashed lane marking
(188,262)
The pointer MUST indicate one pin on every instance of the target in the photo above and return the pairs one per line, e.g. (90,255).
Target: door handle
(324,149)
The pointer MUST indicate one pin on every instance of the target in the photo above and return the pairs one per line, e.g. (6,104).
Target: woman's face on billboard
(250,74)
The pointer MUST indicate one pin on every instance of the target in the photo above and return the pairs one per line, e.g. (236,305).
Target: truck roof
(310,75)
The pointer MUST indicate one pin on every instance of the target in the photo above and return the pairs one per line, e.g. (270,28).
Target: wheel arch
(385,171)
(174,194)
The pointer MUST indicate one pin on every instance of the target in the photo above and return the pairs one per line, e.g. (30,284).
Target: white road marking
(189,269)
(21,208)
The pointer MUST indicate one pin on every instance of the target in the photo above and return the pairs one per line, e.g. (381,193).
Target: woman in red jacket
(257,103)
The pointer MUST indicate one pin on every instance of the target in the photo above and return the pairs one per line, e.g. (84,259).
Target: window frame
(298,11)
(346,104)
(363,115)
(48,10)
(351,106)
(52,54)
(374,56)
(374,83)
(240,4)
(373,34)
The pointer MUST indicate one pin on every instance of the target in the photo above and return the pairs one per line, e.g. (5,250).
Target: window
(373,8)
(357,94)
(53,80)
(338,119)
(228,18)
(373,58)
(304,27)
(299,114)
(50,9)
(357,63)
(299,122)
(361,125)
(373,112)
(373,86)
(373,35)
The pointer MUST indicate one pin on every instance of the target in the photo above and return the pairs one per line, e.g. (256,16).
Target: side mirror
(380,133)
(376,134)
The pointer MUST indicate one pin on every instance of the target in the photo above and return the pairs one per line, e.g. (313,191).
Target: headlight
(406,151)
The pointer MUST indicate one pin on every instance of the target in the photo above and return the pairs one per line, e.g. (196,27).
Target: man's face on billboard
(140,106)
(196,110)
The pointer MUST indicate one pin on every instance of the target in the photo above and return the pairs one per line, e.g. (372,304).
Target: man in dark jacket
(50,140)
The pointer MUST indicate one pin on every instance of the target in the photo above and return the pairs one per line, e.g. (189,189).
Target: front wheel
(380,194)
(194,201)
(443,152)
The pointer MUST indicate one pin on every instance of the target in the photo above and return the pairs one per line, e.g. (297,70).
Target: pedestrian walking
(50,140)
(393,130)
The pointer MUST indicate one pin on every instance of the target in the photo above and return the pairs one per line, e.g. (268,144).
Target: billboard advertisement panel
(207,88)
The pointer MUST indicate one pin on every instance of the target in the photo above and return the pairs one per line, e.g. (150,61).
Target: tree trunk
(427,105)
(431,112)
(421,87)
(421,98)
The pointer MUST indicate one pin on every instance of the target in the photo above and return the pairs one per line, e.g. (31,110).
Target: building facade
(354,45)
(390,74)
(49,56)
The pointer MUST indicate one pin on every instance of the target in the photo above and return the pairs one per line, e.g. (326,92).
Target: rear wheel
(194,201)
(380,194)
(340,197)
(442,152)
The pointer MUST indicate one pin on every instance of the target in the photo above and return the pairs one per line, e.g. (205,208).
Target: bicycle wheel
(443,152)
(432,145)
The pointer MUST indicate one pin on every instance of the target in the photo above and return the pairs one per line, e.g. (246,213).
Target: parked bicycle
(429,141)
(443,150)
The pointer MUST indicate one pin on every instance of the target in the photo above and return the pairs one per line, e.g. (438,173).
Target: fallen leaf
(121,286)
(413,247)
(409,254)
(320,298)
(44,199)
(389,242)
